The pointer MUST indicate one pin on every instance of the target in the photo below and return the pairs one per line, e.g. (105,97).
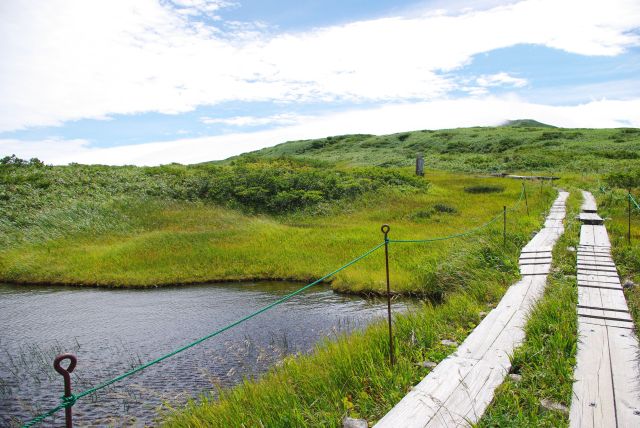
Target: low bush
(484,189)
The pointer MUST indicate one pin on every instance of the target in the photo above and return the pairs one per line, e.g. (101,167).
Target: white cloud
(66,60)
(382,120)
(51,149)
(500,79)
(277,119)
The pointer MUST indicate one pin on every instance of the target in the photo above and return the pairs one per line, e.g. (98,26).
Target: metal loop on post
(68,399)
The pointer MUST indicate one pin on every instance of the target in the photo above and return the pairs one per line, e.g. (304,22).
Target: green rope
(444,238)
(465,233)
(42,417)
(634,201)
(69,401)
(518,202)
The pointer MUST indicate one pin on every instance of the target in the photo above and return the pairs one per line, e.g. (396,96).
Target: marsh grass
(351,375)
(177,243)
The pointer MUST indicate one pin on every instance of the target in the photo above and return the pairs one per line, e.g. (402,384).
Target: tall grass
(159,242)
(352,376)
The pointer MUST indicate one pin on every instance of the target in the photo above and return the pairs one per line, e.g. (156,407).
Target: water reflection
(112,331)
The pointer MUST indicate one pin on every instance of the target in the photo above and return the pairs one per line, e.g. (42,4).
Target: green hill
(515,148)
(520,123)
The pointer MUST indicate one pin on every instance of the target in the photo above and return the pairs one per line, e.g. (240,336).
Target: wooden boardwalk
(459,389)
(606,392)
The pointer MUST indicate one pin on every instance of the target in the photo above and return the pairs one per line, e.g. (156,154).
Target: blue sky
(150,82)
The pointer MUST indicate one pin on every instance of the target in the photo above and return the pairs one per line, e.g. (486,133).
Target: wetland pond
(113,330)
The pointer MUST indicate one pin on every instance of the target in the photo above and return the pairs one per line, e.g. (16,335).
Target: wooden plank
(589,203)
(586,235)
(535,269)
(595,248)
(594,284)
(601,236)
(590,218)
(624,348)
(469,401)
(592,404)
(599,278)
(545,261)
(536,255)
(604,314)
(606,323)
(602,298)
(599,273)
(460,388)
(587,269)
(606,266)
(592,262)
(425,399)
(592,256)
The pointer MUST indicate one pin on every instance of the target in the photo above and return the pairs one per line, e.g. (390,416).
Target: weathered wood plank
(590,218)
(597,267)
(544,261)
(596,263)
(626,375)
(589,203)
(601,236)
(602,298)
(460,388)
(606,391)
(535,269)
(592,403)
(604,314)
(536,255)
(599,278)
(606,323)
(592,284)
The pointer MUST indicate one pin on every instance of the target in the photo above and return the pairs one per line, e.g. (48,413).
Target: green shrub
(444,208)
(484,189)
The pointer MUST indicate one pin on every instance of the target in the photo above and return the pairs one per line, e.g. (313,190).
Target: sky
(148,82)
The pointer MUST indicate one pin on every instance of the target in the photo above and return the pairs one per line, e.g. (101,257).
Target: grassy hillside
(301,209)
(275,219)
(492,149)
(294,211)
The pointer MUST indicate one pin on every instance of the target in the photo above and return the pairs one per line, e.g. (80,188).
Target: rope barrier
(634,201)
(458,235)
(444,238)
(69,401)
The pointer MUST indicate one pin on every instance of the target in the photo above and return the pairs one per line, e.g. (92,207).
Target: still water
(112,331)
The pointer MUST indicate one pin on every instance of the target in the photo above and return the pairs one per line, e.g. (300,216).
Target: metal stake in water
(385,229)
(68,398)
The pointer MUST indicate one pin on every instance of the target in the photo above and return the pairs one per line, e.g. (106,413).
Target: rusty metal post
(504,225)
(66,374)
(385,229)
(526,201)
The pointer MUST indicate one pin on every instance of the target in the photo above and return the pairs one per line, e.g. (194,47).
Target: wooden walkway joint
(459,389)
(606,391)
